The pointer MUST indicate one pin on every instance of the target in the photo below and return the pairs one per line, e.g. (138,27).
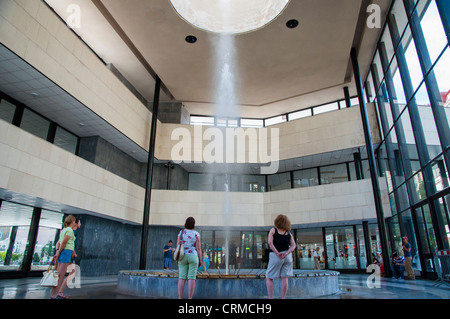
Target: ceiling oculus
(229,16)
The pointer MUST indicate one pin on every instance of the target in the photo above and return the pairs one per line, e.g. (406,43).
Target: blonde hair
(282,222)
(69,220)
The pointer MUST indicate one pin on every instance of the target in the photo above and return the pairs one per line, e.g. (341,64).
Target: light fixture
(229,16)
(291,24)
(191,39)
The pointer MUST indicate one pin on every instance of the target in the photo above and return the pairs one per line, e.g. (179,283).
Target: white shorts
(279,267)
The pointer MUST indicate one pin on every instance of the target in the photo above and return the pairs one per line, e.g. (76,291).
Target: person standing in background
(316,256)
(408,258)
(168,255)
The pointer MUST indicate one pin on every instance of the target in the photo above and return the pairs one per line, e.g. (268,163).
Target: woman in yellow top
(64,252)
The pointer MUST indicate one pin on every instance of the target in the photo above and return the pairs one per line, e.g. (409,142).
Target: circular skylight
(229,16)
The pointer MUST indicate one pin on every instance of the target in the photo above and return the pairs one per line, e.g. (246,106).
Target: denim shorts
(65,256)
(167,262)
(187,267)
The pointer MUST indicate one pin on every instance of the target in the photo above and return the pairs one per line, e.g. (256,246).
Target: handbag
(50,277)
(179,251)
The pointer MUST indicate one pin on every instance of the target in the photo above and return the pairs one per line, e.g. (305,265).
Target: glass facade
(17,231)
(330,174)
(245,122)
(409,81)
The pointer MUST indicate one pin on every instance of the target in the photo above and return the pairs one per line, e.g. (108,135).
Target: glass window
(14,227)
(232,123)
(365,169)
(226,122)
(394,233)
(375,240)
(423,236)
(352,171)
(308,241)
(412,59)
(35,124)
(279,181)
(402,197)
(385,106)
(253,248)
(275,120)
(219,253)
(66,140)
(405,128)
(440,174)
(399,15)
(299,114)
(333,174)
(418,187)
(432,28)
(386,39)
(370,88)
(429,126)
(248,183)
(354,101)
(221,122)
(400,97)
(362,246)
(378,67)
(49,225)
(7,110)
(442,73)
(306,178)
(341,248)
(202,120)
(252,123)
(207,240)
(444,203)
(200,182)
(326,108)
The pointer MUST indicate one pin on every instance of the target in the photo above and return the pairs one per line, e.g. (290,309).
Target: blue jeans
(398,271)
(167,262)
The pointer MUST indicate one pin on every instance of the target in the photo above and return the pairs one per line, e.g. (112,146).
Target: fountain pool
(246,284)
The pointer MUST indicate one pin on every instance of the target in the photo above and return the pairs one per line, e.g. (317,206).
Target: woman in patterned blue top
(192,258)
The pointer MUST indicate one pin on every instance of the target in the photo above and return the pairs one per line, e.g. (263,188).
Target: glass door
(426,236)
(341,248)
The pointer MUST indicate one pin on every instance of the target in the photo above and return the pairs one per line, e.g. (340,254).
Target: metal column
(148,184)
(31,241)
(372,163)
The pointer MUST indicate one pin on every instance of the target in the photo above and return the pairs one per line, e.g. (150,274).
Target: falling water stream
(225,107)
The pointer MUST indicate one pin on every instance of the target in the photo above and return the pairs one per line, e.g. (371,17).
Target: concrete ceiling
(278,69)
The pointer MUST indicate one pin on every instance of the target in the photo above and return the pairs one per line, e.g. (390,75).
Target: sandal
(62,296)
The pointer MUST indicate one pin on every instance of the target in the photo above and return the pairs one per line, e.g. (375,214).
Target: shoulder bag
(51,276)
(179,251)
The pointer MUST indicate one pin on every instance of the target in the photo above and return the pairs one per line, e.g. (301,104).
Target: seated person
(398,266)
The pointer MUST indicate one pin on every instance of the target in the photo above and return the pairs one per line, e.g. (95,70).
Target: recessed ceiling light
(291,24)
(191,39)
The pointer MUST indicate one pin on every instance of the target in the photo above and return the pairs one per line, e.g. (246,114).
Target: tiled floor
(352,286)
